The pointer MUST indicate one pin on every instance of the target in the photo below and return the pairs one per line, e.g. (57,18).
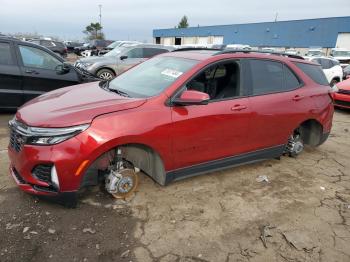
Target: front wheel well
(141,156)
(108,68)
(311,132)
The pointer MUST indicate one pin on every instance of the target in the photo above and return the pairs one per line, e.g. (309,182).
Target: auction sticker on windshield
(171,72)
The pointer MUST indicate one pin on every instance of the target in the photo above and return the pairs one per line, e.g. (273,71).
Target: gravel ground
(301,214)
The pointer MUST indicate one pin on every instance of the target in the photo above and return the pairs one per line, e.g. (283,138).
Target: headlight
(52,136)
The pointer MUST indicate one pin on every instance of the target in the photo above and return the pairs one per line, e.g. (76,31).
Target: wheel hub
(121,183)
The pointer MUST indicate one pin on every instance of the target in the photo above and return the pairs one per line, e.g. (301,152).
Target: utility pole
(100,18)
(276,16)
(100,15)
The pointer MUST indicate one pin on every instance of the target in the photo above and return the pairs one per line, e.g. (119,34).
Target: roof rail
(195,49)
(227,51)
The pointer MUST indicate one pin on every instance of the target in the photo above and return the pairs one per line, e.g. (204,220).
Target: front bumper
(341,100)
(67,157)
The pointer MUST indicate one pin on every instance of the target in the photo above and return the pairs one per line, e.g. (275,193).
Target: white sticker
(171,72)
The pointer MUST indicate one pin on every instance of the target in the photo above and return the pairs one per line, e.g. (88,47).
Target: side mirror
(192,97)
(63,68)
(123,57)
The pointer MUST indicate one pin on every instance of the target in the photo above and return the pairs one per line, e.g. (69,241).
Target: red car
(176,115)
(342,96)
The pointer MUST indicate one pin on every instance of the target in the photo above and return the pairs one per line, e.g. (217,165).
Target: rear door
(10,77)
(39,74)
(277,102)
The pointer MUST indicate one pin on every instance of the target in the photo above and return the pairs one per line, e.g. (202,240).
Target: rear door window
(314,72)
(266,76)
(5,54)
(149,52)
(135,53)
(292,81)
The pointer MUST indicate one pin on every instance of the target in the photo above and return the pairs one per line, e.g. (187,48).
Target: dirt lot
(304,209)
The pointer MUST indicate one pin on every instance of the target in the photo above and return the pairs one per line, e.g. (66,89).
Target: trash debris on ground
(25,229)
(262,178)
(299,240)
(125,254)
(322,188)
(89,230)
(52,231)
(265,232)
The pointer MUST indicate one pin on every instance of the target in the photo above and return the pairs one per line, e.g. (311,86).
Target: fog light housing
(54,177)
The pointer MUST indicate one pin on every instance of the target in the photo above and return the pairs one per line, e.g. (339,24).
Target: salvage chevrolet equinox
(174,116)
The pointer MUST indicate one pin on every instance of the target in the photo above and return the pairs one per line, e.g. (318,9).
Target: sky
(135,19)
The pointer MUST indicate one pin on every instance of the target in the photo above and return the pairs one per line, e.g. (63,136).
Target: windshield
(151,77)
(114,44)
(341,53)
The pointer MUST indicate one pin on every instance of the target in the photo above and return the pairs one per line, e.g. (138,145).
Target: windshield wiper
(105,85)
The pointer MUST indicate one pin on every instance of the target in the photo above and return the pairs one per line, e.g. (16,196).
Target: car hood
(99,59)
(345,85)
(73,105)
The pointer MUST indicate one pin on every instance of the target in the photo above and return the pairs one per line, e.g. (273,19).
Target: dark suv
(55,46)
(173,116)
(28,70)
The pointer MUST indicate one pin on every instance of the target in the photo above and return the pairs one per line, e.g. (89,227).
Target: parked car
(163,116)
(346,71)
(342,55)
(55,46)
(28,70)
(116,44)
(342,96)
(315,52)
(72,45)
(92,48)
(79,49)
(291,51)
(331,68)
(119,59)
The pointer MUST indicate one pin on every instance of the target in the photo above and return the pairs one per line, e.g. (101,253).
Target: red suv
(176,115)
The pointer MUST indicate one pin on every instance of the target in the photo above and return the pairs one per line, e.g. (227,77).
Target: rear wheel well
(311,132)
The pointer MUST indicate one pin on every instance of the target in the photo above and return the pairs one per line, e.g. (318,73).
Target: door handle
(31,72)
(238,107)
(298,98)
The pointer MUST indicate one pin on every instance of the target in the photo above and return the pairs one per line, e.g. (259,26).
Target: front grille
(16,140)
(342,103)
(343,91)
(18,176)
(42,172)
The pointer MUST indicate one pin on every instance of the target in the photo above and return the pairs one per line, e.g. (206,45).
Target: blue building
(322,32)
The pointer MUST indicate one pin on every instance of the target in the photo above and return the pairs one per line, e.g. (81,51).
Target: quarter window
(35,57)
(314,72)
(5,54)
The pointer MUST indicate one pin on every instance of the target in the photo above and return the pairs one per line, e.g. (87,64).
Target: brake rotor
(127,184)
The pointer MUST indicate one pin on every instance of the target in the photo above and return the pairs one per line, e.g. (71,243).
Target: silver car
(120,59)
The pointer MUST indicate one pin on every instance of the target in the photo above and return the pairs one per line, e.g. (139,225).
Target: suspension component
(295,145)
(122,183)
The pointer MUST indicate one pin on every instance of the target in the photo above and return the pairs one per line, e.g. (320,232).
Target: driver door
(134,57)
(38,70)
(220,129)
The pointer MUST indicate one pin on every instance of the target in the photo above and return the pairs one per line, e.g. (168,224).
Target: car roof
(202,55)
